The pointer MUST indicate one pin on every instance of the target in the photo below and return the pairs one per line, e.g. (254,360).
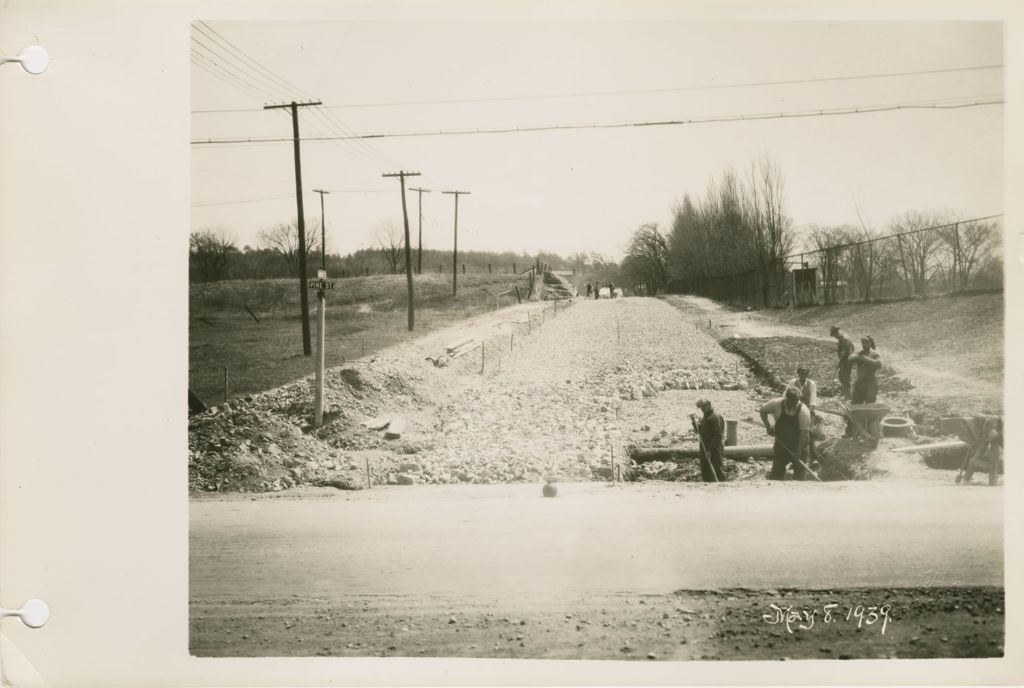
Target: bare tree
(918,256)
(283,239)
(969,245)
(209,253)
(764,212)
(392,244)
(828,241)
(646,259)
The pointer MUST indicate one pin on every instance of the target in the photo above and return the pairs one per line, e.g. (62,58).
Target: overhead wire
(272,88)
(861,110)
(224,76)
(289,197)
(329,120)
(671,89)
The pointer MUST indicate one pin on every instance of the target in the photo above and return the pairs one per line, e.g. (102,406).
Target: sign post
(320,284)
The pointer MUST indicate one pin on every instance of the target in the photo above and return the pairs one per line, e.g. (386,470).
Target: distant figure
(589,287)
(868,363)
(711,431)
(845,348)
(791,430)
(597,292)
(611,290)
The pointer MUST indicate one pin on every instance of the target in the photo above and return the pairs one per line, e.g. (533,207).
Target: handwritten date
(803,619)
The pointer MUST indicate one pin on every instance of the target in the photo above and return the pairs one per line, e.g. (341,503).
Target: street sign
(321,284)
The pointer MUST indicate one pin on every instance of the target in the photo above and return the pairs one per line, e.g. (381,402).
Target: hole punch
(34,59)
(34,613)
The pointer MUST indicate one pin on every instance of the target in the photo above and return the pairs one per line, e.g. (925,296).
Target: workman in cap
(868,362)
(844,349)
(791,432)
(711,431)
(809,397)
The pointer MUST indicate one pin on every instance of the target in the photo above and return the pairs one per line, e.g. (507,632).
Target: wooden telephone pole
(307,348)
(419,252)
(455,247)
(402,174)
(323,230)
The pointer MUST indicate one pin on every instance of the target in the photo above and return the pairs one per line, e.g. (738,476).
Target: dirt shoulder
(950,348)
(728,624)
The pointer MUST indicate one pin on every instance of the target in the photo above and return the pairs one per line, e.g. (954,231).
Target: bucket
(730,432)
(896,426)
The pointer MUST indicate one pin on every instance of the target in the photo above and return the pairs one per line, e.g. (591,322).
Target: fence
(946,258)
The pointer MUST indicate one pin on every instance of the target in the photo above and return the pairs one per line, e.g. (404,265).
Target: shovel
(795,458)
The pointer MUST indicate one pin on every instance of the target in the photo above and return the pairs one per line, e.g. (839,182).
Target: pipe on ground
(643,455)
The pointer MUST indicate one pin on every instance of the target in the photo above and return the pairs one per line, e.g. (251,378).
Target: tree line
(738,229)
(214,255)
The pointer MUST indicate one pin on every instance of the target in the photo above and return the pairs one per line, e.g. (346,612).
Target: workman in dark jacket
(844,349)
(589,287)
(711,430)
(868,363)
(791,432)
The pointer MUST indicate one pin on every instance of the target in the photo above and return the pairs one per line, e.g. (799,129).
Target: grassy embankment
(961,334)
(364,314)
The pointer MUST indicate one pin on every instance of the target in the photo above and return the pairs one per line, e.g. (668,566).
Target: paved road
(506,541)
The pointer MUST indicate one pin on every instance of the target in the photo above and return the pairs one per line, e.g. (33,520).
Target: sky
(586,190)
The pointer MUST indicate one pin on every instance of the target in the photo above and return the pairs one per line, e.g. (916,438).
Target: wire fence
(950,258)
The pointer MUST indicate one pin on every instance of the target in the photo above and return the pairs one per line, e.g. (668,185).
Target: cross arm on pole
(293,103)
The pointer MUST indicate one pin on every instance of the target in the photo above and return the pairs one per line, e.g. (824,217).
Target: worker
(868,363)
(791,431)
(711,431)
(845,348)
(588,289)
(806,386)
(809,396)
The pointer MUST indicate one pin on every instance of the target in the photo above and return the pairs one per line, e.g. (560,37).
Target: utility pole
(402,174)
(455,247)
(419,253)
(323,230)
(307,349)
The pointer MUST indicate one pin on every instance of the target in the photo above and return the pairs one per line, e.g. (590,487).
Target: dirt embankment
(943,355)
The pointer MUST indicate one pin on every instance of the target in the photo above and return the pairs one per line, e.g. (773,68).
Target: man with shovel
(791,432)
(710,431)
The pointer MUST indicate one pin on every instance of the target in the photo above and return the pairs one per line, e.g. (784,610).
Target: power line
(672,89)
(280,85)
(223,75)
(241,201)
(289,197)
(253,79)
(619,125)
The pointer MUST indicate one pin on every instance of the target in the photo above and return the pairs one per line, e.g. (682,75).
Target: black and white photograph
(652,341)
(574,342)
(584,340)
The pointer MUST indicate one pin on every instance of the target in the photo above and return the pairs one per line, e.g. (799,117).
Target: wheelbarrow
(864,420)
